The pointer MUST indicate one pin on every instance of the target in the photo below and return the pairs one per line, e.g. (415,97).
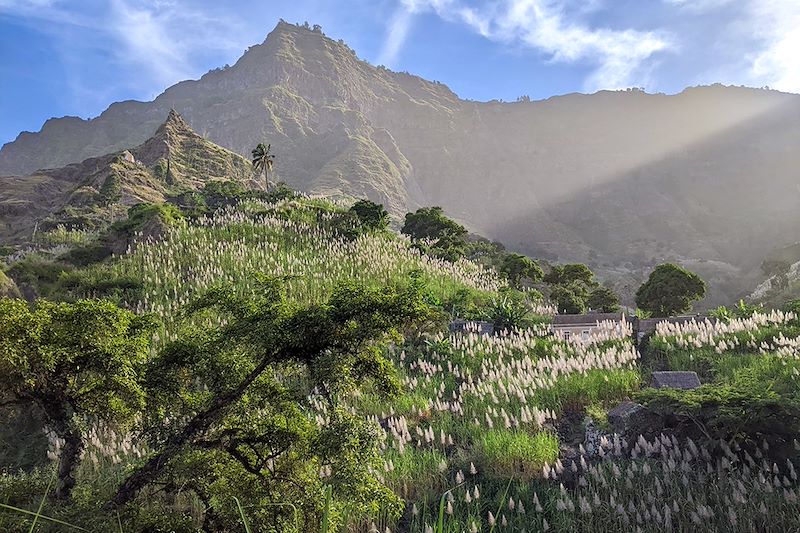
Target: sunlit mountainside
(621,180)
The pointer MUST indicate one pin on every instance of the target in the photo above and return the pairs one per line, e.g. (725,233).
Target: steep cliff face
(708,178)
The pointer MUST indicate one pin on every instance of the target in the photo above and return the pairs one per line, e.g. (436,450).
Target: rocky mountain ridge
(622,180)
(84,194)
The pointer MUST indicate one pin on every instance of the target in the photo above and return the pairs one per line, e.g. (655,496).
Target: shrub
(746,411)
(509,312)
(37,273)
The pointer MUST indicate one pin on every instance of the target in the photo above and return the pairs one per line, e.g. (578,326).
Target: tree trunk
(58,414)
(59,418)
(68,461)
(199,424)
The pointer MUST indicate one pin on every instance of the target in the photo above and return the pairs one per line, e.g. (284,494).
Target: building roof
(589,319)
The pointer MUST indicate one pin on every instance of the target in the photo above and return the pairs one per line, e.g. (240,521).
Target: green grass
(504,453)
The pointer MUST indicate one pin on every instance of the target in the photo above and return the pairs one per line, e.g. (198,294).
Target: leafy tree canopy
(371,215)
(517,268)
(568,300)
(670,290)
(603,299)
(260,401)
(571,273)
(430,223)
(73,360)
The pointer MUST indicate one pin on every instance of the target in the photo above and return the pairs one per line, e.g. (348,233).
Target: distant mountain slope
(708,178)
(175,158)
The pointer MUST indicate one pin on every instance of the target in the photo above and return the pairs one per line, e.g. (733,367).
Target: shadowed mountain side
(718,222)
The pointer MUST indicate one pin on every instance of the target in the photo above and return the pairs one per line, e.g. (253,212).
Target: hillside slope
(622,180)
(174,159)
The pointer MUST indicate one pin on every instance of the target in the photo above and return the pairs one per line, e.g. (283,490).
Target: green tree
(237,396)
(371,215)
(603,299)
(670,290)
(571,273)
(73,360)
(430,223)
(111,193)
(263,161)
(488,253)
(517,268)
(111,190)
(568,300)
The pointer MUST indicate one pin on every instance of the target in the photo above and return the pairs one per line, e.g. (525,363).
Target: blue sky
(75,57)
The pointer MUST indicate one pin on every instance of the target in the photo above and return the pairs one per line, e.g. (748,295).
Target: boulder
(630,418)
(675,380)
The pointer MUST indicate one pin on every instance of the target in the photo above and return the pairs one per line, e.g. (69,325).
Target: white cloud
(776,23)
(161,36)
(764,33)
(395,37)
(159,40)
(148,40)
(556,29)
(698,6)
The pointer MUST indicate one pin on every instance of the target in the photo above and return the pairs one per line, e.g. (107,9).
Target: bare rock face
(621,180)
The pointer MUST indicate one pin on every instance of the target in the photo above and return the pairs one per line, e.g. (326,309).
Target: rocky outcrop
(8,289)
(631,419)
(674,379)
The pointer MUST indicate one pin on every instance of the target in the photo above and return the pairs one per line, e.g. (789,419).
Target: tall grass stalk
(241,514)
(502,502)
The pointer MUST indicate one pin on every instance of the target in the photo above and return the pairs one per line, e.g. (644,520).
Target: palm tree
(263,160)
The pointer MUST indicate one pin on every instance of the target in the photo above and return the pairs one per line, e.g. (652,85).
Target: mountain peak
(173,158)
(173,124)
(172,133)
